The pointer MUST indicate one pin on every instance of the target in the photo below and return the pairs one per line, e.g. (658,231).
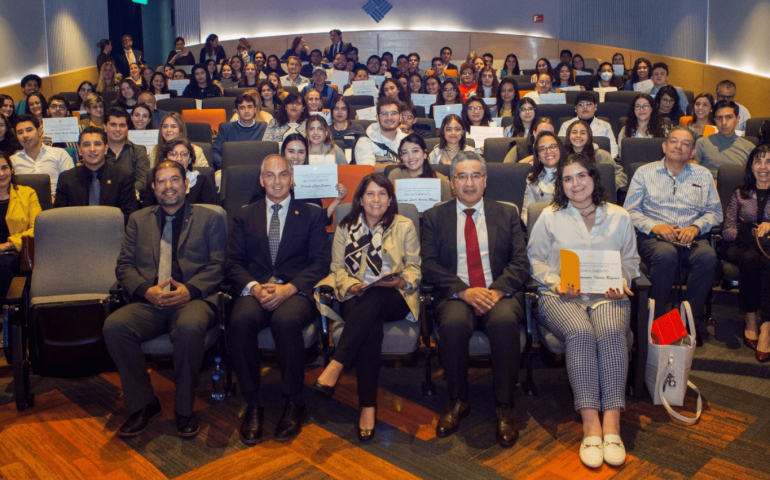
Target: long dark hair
(4,154)
(588,149)
(403,95)
(518,125)
(480,87)
(427,170)
(749,180)
(548,63)
(444,123)
(557,74)
(295,137)
(151,87)
(514,101)
(466,119)
(531,136)
(598,197)
(278,69)
(200,66)
(708,97)
(209,48)
(634,75)
(280,115)
(676,110)
(516,69)
(537,165)
(357,208)
(655,127)
(171,144)
(43,104)
(440,96)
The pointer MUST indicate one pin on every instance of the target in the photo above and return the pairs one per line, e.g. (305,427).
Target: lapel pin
(296,212)
(109,182)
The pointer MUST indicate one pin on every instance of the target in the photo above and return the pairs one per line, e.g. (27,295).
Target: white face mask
(606,76)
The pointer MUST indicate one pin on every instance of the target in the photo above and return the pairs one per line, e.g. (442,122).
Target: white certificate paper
(643,86)
(424,100)
(369,113)
(321,159)
(61,130)
(378,79)
(603,90)
(553,99)
(178,85)
(162,96)
(341,78)
(600,270)
(619,70)
(441,111)
(423,193)
(490,101)
(145,138)
(315,181)
(573,88)
(365,87)
(480,134)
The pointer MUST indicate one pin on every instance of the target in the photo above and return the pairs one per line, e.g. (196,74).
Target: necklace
(452,149)
(583,208)
(588,214)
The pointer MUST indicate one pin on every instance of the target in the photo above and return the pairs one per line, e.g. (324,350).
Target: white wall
(23,40)
(739,38)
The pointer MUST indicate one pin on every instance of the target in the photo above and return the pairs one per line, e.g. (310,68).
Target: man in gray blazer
(170,268)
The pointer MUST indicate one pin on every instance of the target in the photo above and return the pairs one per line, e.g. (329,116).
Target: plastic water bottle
(218,380)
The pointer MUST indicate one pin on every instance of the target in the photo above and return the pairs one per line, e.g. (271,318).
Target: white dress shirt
(481,232)
(51,161)
(282,214)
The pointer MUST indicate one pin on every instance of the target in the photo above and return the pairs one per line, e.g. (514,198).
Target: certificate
(321,159)
(619,70)
(61,130)
(378,79)
(490,101)
(479,134)
(340,78)
(315,181)
(424,100)
(553,99)
(579,73)
(643,86)
(603,90)
(145,138)
(573,88)
(178,85)
(423,193)
(326,116)
(365,87)
(498,120)
(441,111)
(162,96)
(591,271)
(199,104)
(369,113)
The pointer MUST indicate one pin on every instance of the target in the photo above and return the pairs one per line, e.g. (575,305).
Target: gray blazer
(200,253)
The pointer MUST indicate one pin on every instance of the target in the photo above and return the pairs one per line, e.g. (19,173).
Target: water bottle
(218,380)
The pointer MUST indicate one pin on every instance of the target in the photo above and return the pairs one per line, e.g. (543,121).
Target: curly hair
(599,195)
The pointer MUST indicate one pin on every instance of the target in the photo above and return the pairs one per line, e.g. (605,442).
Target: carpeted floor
(69,433)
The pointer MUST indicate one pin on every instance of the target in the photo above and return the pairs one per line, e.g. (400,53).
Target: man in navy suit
(278,251)
(127,56)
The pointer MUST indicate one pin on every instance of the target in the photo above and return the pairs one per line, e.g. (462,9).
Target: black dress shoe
(324,391)
(291,422)
(450,421)
(251,428)
(187,426)
(138,421)
(365,434)
(507,425)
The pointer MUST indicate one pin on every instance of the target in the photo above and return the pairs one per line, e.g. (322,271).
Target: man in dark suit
(337,46)
(94,181)
(127,56)
(278,251)
(473,251)
(170,268)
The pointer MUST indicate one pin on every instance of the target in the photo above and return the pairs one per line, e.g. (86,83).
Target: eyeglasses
(644,106)
(389,114)
(475,108)
(666,100)
(725,97)
(475,176)
(57,107)
(526,109)
(407,117)
(450,89)
(175,154)
(585,104)
(552,147)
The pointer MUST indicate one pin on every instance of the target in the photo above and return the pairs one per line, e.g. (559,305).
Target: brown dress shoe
(507,425)
(450,420)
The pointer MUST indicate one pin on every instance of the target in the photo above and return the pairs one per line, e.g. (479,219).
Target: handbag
(27,254)
(668,368)
(763,243)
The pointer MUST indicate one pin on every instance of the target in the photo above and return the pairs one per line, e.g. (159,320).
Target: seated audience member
(8,143)
(276,292)
(414,64)
(290,117)
(237,63)
(318,83)
(660,79)
(343,127)
(541,181)
(298,49)
(543,65)
(666,218)
(109,81)
(274,66)
(94,106)
(127,95)
(478,64)
(592,326)
(105,53)
(749,209)
(180,55)
(135,74)
(565,76)
(141,118)
(565,56)
(542,87)
(702,121)
(34,157)
(227,79)
(507,98)
(273,78)
(147,72)
(525,152)
(580,139)
(59,108)
(585,107)
(159,85)
(293,78)
(476,113)
(8,107)
(525,117)
(352,55)
(172,126)
(468,83)
(579,65)
(380,144)
(199,189)
(19,207)
(476,291)
(605,77)
(84,90)
(438,68)
(402,64)
(619,59)
(724,147)
(201,86)
(95,181)
(129,55)
(121,151)
(432,84)
(212,70)
(269,95)
(451,141)
(510,66)
(449,94)
(212,50)
(29,84)
(260,58)
(726,91)
(337,46)
(667,100)
(36,105)
(415,164)
(373,245)
(180,75)
(341,64)
(414,83)
(244,50)
(320,140)
(361,75)
(393,90)
(487,84)
(262,115)
(446,56)
(246,128)
(642,71)
(149,99)
(373,65)
(489,59)
(168,71)
(643,120)
(183,281)
(250,76)
(409,123)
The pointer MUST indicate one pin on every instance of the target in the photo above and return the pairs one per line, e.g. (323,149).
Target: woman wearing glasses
(642,120)
(541,180)
(526,116)
(199,190)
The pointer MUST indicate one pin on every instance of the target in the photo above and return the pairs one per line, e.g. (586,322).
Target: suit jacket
(304,253)
(200,252)
(121,62)
(116,188)
(327,50)
(507,251)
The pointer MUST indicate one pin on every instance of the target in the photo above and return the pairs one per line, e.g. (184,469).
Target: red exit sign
(537,18)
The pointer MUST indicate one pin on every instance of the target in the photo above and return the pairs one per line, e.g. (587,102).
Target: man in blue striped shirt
(673,202)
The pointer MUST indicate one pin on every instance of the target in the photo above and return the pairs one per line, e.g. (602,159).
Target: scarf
(362,239)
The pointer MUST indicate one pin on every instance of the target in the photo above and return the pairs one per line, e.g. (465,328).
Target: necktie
(473,253)
(164,267)
(130,56)
(274,234)
(94,191)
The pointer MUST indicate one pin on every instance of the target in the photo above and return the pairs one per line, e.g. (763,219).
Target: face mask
(606,76)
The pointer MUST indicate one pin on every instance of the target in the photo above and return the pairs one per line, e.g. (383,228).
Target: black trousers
(457,322)
(9,268)
(361,340)
(286,324)
(754,293)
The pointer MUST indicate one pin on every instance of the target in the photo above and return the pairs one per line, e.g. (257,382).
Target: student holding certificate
(593,327)
(414,164)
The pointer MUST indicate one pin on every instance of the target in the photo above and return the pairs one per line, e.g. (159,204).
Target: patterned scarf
(359,241)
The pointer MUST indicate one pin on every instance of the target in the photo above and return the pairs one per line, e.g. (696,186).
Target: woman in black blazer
(212,49)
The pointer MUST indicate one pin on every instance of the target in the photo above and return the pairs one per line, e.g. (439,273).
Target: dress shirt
(565,229)
(300,83)
(656,197)
(481,231)
(51,161)
(599,128)
(744,114)
(282,214)
(130,56)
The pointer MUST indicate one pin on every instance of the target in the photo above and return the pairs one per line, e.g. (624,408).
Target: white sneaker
(592,452)
(614,450)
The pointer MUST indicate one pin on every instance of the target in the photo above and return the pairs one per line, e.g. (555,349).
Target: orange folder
(570,269)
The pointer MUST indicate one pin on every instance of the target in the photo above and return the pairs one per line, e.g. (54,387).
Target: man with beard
(380,145)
